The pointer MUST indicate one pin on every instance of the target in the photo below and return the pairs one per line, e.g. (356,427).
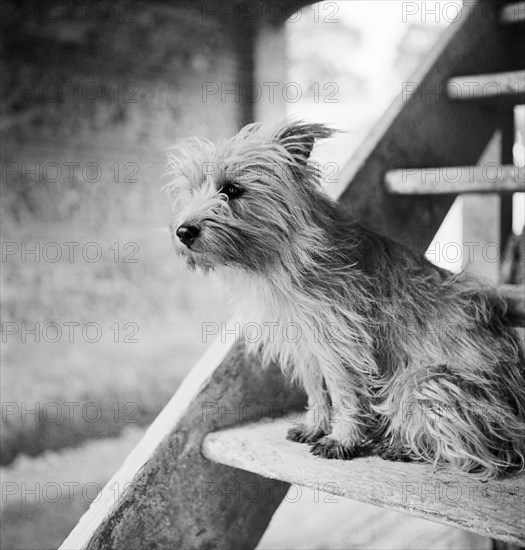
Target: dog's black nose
(188,233)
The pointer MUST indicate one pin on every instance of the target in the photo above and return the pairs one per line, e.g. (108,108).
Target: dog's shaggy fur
(395,354)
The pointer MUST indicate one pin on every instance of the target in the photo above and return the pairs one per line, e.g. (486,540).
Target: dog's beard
(210,254)
(196,259)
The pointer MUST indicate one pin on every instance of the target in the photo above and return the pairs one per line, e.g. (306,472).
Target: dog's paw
(305,433)
(390,452)
(328,447)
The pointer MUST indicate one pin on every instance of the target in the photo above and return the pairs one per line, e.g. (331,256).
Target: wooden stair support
(494,508)
(515,297)
(490,178)
(420,129)
(166,495)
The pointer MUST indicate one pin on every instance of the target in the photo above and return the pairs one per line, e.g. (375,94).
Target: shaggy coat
(396,355)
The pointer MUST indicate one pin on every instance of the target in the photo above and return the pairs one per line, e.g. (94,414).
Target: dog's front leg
(348,421)
(317,421)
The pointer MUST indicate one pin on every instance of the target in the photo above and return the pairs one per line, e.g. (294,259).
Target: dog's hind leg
(438,416)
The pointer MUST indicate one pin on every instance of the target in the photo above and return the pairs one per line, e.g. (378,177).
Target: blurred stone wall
(92,93)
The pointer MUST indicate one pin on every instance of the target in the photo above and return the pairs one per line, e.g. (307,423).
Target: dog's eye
(231,190)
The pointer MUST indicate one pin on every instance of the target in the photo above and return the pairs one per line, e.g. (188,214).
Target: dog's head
(246,202)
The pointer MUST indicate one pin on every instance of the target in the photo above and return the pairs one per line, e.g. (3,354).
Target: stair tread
(493,508)
(509,84)
(489,178)
(513,13)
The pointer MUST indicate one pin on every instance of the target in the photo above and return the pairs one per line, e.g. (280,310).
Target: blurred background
(100,323)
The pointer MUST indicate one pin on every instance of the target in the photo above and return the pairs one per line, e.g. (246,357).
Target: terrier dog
(396,355)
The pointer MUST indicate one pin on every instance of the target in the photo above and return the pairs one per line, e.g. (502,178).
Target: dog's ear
(299,138)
